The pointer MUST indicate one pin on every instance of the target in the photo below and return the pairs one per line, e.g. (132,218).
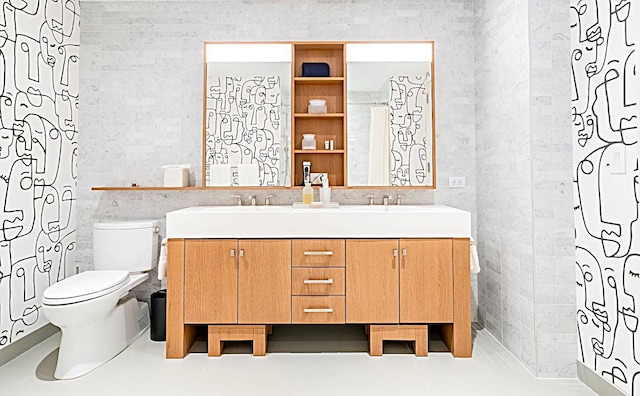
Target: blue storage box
(315,69)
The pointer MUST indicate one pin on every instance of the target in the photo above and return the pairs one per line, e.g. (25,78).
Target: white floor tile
(142,370)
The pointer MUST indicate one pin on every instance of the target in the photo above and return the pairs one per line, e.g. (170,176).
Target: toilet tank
(126,245)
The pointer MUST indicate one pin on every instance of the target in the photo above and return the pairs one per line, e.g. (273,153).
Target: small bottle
(325,192)
(307,194)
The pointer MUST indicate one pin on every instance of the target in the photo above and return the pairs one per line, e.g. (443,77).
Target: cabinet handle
(404,252)
(395,252)
(327,253)
(241,254)
(233,252)
(316,281)
(318,310)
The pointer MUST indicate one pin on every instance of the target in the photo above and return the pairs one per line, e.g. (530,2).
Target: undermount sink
(347,221)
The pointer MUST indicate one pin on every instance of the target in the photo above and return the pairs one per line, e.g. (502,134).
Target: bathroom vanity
(395,269)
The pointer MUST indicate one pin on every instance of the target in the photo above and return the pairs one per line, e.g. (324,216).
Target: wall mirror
(374,126)
(247,136)
(390,114)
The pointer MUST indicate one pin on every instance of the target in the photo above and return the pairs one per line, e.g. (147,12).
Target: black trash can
(159,315)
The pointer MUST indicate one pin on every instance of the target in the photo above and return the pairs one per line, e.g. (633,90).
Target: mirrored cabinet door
(283,114)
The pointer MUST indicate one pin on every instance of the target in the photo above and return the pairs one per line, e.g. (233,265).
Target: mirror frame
(291,165)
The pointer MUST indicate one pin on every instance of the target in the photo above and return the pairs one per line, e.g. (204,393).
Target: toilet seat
(84,286)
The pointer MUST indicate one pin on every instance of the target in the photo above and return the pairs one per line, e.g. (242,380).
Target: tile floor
(286,370)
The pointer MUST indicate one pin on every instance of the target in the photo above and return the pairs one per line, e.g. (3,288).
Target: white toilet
(96,311)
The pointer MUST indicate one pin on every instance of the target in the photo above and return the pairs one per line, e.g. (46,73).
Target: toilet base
(87,347)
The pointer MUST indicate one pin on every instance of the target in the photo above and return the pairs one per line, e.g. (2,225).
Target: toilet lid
(84,286)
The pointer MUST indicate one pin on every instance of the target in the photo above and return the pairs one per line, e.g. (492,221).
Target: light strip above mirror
(389,52)
(248,53)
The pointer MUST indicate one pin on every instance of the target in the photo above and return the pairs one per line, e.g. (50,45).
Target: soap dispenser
(325,191)
(307,194)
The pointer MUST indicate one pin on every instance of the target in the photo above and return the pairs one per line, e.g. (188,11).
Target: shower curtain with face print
(411,123)
(243,123)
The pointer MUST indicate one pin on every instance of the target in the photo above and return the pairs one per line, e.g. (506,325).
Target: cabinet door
(264,276)
(210,281)
(372,281)
(426,280)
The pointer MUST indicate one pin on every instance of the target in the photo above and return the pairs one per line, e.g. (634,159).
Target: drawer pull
(326,253)
(318,310)
(318,281)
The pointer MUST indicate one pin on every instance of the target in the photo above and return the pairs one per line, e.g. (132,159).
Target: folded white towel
(162,261)
(248,175)
(475,262)
(220,175)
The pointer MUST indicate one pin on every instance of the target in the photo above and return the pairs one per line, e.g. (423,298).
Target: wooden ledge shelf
(141,188)
(327,115)
(319,80)
(319,151)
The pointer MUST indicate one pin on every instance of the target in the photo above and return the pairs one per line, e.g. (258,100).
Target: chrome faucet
(385,199)
(239,198)
(253,200)
(398,201)
(267,201)
(370,199)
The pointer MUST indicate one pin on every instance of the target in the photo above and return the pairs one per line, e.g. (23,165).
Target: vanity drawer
(325,309)
(317,281)
(317,253)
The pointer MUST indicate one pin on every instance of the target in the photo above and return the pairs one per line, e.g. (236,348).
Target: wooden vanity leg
(375,340)
(366,329)
(180,337)
(259,342)
(269,329)
(214,344)
(457,336)
(422,342)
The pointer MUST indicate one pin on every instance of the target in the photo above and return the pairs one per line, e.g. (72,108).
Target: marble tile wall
(553,226)
(141,82)
(524,181)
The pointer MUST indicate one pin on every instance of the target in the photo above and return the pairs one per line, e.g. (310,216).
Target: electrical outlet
(457,182)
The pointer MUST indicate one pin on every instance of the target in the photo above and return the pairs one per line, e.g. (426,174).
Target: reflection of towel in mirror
(475,262)
(162,261)
(248,175)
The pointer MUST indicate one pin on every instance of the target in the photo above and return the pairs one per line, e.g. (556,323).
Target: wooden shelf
(318,151)
(319,80)
(140,188)
(327,115)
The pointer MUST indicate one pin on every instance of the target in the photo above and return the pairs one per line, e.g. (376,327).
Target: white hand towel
(220,175)
(475,262)
(248,175)
(162,261)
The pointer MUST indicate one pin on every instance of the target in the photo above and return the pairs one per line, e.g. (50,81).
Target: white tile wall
(524,180)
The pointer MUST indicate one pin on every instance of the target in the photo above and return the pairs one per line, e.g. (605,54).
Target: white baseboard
(27,342)
(598,384)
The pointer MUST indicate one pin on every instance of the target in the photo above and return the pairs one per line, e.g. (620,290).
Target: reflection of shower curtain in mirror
(243,125)
(379,146)
(411,130)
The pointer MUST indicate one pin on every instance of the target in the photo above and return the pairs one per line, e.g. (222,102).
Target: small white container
(317,106)
(176,175)
(308,141)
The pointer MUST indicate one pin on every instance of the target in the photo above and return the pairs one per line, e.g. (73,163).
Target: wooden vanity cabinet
(264,279)
(231,281)
(372,287)
(210,281)
(399,281)
(397,287)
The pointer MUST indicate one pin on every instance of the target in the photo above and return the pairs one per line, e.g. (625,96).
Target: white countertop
(347,221)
